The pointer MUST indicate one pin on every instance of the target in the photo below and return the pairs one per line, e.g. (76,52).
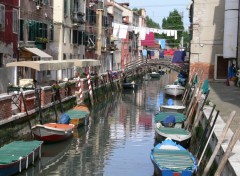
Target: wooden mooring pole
(222,137)
(228,152)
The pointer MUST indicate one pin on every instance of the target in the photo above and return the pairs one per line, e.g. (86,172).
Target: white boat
(172,108)
(174,90)
(154,75)
(52,132)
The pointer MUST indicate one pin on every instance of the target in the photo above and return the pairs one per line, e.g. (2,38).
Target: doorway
(221,68)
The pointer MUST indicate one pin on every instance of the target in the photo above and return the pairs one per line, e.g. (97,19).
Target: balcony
(77,17)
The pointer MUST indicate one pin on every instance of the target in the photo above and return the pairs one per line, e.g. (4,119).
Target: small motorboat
(179,118)
(179,135)
(174,90)
(170,107)
(79,115)
(154,75)
(170,158)
(52,132)
(18,155)
(129,85)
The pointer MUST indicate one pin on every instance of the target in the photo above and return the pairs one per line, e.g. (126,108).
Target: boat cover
(162,115)
(15,150)
(169,121)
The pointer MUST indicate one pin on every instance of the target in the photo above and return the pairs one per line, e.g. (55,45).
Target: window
(65,8)
(15,21)
(2,17)
(75,37)
(36,29)
(1,59)
(21,34)
(64,56)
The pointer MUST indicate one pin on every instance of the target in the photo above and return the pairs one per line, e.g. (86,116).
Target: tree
(151,23)
(173,22)
(186,40)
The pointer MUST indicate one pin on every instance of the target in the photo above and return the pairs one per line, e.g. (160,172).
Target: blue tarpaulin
(169,121)
(179,56)
(64,119)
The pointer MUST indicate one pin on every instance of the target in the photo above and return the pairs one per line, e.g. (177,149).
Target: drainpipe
(238,37)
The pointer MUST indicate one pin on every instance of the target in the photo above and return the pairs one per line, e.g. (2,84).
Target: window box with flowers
(56,91)
(40,42)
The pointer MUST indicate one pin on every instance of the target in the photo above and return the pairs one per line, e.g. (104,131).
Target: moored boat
(174,90)
(154,75)
(79,115)
(179,118)
(129,85)
(18,155)
(170,158)
(52,132)
(172,108)
(179,135)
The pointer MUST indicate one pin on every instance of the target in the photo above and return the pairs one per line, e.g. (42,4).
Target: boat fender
(170,101)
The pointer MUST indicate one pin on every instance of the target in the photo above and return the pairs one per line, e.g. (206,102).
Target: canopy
(86,62)
(43,65)
(39,53)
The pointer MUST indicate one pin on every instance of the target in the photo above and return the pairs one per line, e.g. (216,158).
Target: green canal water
(117,141)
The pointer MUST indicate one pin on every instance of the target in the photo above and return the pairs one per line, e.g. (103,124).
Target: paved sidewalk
(226,98)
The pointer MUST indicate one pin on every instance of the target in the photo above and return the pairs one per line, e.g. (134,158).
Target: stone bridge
(143,65)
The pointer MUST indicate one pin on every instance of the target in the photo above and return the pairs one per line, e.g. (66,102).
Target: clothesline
(120,31)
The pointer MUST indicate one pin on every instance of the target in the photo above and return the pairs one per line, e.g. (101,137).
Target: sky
(158,9)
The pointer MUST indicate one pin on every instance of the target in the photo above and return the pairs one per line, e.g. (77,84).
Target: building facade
(9,12)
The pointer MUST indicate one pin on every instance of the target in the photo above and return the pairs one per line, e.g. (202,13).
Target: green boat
(180,118)
(18,155)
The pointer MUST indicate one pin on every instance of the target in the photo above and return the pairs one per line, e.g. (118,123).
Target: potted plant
(40,42)
(232,81)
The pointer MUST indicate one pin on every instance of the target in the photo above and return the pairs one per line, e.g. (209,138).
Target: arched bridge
(144,65)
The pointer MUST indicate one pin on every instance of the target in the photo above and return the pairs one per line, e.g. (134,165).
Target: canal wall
(232,166)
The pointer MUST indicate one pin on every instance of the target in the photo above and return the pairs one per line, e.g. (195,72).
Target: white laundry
(123,31)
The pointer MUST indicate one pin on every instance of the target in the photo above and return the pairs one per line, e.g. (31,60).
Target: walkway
(226,98)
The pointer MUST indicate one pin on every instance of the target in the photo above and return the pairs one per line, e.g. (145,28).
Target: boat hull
(53,132)
(182,139)
(154,75)
(129,85)
(169,158)
(21,164)
(79,115)
(172,108)
(174,90)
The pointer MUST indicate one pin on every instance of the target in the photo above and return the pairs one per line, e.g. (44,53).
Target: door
(221,68)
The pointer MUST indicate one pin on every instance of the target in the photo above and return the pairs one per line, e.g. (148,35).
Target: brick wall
(29,100)
(5,106)
(208,70)
(46,95)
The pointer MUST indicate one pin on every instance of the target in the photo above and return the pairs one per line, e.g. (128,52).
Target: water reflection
(117,141)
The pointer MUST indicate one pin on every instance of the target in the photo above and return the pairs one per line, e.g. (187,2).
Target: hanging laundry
(116,27)
(123,31)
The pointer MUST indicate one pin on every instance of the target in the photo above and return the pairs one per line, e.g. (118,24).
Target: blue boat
(18,155)
(170,158)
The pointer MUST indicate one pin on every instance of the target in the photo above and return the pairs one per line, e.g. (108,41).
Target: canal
(117,141)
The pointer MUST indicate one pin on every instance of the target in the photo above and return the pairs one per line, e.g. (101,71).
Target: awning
(86,62)
(39,53)
(43,65)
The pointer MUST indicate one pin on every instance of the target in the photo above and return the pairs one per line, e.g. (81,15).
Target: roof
(86,62)
(43,65)
(39,53)
(55,64)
